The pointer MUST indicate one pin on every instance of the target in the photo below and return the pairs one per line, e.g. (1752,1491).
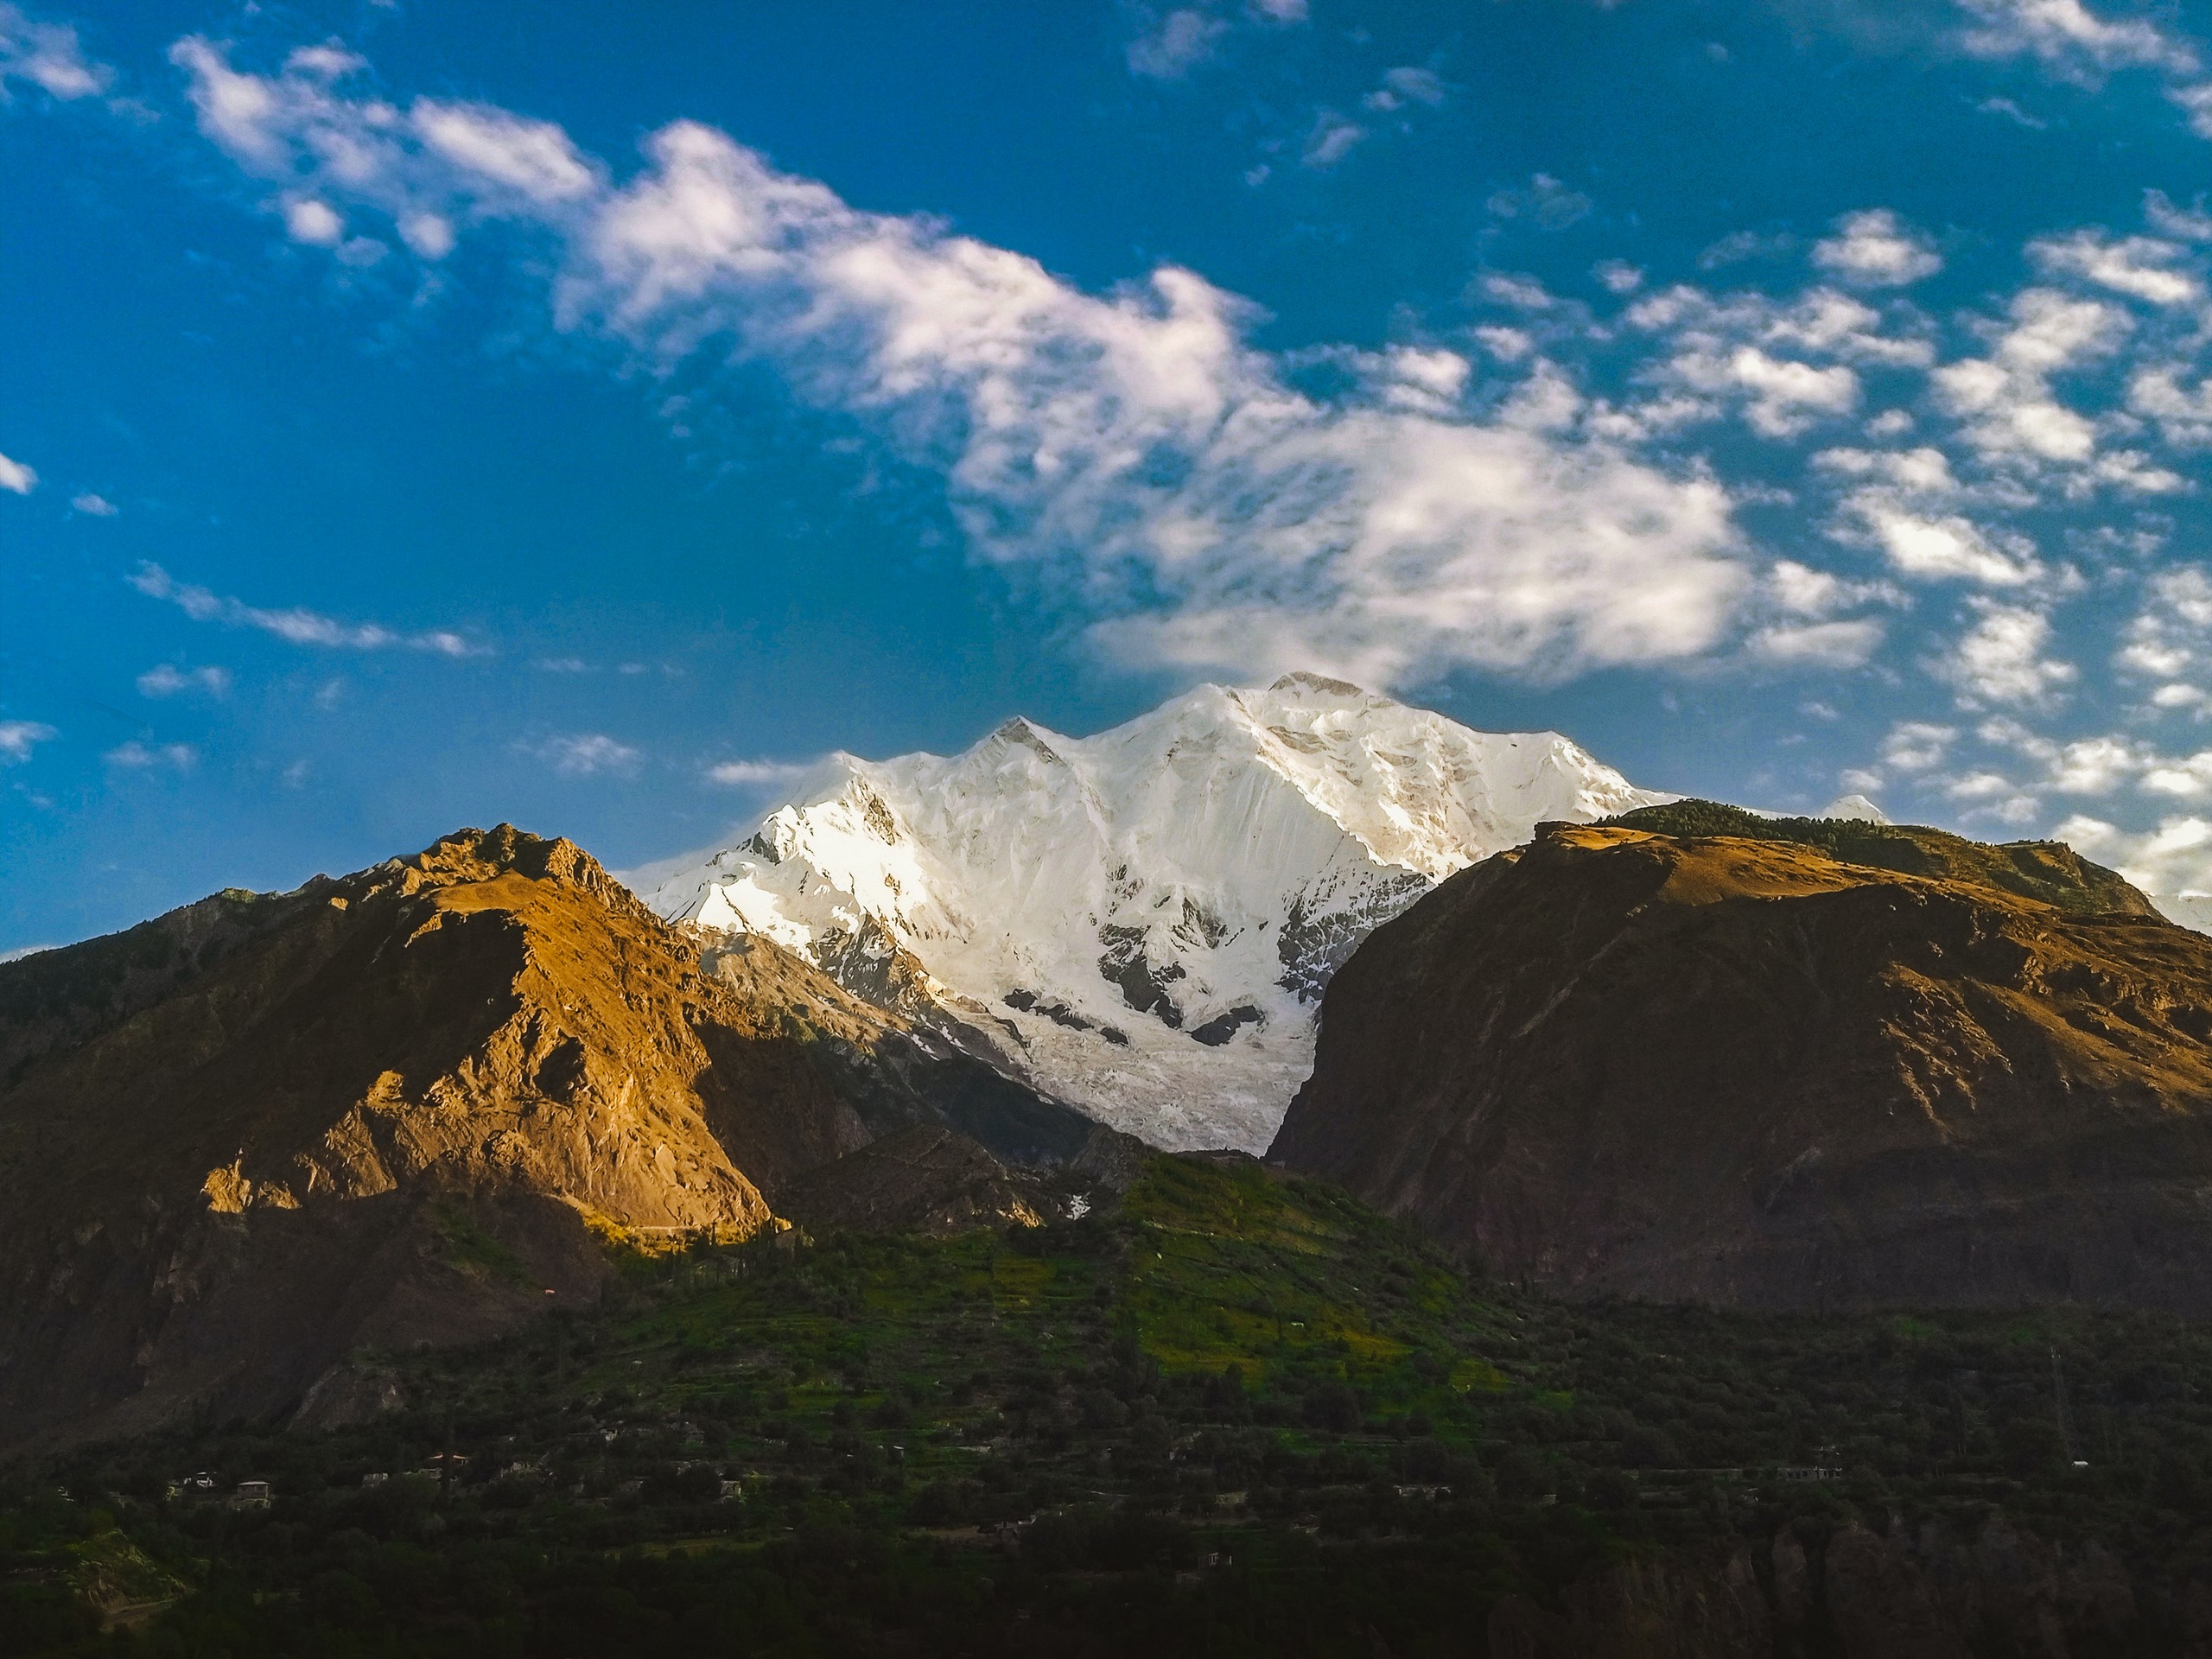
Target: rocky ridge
(1742,1069)
(264,1130)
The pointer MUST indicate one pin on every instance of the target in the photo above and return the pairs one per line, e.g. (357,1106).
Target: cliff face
(1743,1071)
(248,1137)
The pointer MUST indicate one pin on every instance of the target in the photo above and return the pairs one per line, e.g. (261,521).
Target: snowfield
(1140,922)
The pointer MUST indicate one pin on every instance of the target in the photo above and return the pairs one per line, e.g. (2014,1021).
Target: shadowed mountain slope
(248,1136)
(1740,1069)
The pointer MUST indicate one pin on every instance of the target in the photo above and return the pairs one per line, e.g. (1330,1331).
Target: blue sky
(411,420)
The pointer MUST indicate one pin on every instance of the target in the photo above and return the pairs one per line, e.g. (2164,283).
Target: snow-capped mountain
(1140,922)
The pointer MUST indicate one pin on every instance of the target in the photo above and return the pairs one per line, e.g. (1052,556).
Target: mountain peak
(1141,924)
(470,855)
(1304,680)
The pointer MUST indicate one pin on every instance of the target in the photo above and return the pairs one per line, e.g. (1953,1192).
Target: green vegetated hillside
(1237,1414)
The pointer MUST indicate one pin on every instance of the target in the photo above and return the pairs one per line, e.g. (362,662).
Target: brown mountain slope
(242,1140)
(1738,1070)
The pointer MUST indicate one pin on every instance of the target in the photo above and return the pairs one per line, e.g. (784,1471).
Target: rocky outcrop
(918,1180)
(264,1131)
(1748,1071)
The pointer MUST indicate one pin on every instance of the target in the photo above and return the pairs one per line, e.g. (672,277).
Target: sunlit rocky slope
(239,1141)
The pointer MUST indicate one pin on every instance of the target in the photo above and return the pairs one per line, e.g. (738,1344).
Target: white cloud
(1739,245)
(1836,324)
(2076,44)
(2197,102)
(1280,11)
(1902,504)
(166,680)
(583,754)
(1506,345)
(2007,410)
(1132,449)
(135,756)
(2097,766)
(1331,139)
(1786,397)
(1876,249)
(1618,275)
(93,506)
(1544,199)
(1818,645)
(1925,473)
(2071,40)
(430,235)
(1175,44)
(1405,85)
(2190,223)
(2139,266)
(2012,112)
(2182,413)
(1949,548)
(1991,795)
(1802,591)
(752,773)
(313,223)
(2188,778)
(16,478)
(1522,293)
(2169,637)
(426,167)
(19,737)
(1916,745)
(299,625)
(1433,381)
(532,158)
(1749,351)
(48,56)
(2000,658)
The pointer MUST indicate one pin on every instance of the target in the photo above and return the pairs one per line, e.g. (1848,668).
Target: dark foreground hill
(1800,1064)
(1242,1415)
(243,1139)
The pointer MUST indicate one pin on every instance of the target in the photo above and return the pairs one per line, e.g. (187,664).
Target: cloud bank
(1131,450)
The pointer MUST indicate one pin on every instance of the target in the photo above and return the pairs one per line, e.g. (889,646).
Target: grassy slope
(2048,870)
(1234,1365)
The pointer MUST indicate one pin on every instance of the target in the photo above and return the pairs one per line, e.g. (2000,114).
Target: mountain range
(1601,1039)
(1141,923)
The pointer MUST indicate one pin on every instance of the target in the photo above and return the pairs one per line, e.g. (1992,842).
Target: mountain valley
(1700,1233)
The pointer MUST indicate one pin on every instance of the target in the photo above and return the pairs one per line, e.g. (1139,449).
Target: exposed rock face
(245,1138)
(1741,1071)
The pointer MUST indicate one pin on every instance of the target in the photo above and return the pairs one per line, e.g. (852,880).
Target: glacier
(1141,922)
